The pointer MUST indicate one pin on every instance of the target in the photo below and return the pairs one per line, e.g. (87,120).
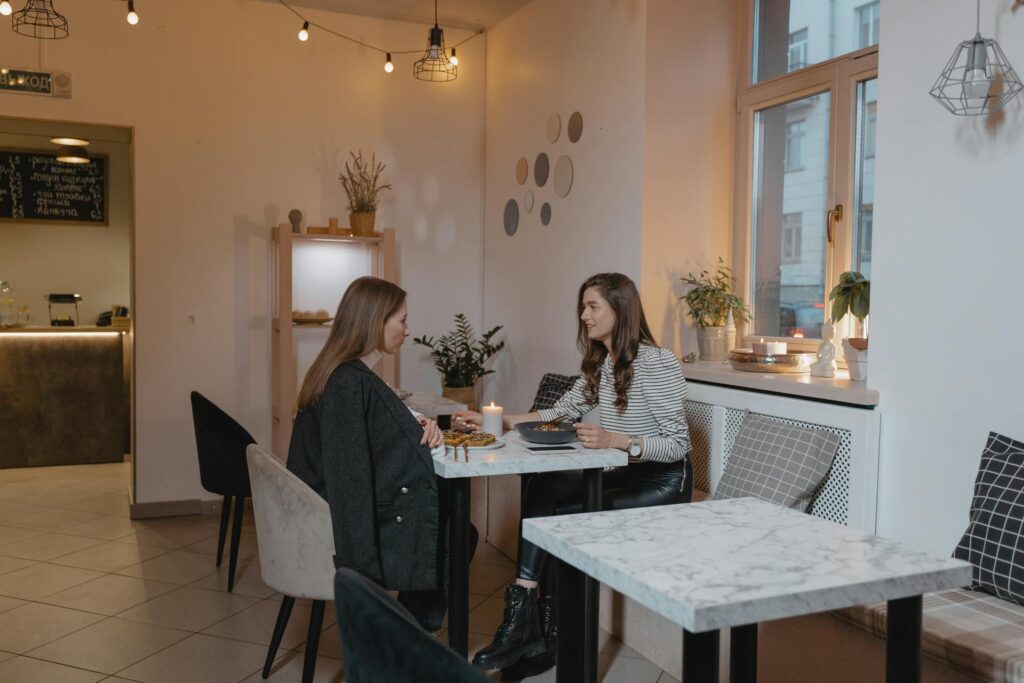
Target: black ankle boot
(527,667)
(519,634)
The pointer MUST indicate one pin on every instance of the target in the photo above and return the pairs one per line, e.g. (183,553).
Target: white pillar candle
(492,419)
(769,348)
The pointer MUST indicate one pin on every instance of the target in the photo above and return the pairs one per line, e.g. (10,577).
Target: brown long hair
(358,329)
(629,332)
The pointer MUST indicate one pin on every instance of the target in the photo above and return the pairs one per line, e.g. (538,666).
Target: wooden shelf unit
(284,379)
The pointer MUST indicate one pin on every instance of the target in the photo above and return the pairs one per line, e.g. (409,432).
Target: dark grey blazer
(359,448)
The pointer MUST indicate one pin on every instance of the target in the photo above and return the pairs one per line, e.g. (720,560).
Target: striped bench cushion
(970,631)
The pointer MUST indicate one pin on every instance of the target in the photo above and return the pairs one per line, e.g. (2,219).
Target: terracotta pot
(715,343)
(362,223)
(467,395)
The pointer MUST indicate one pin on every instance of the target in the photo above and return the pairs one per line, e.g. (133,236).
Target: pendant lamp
(435,65)
(39,19)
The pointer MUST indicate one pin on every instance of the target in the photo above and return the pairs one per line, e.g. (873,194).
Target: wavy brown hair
(629,332)
(358,329)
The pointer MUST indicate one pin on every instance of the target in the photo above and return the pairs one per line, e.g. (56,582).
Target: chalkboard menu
(34,186)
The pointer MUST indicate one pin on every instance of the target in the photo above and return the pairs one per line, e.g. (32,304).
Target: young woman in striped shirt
(639,391)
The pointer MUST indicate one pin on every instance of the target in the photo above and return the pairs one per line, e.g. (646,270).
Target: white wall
(560,56)
(236,123)
(946,327)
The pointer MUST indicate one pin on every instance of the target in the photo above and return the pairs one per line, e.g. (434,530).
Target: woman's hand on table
(466,418)
(596,436)
(432,435)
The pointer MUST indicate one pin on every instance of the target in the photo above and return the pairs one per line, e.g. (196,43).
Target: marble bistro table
(514,458)
(733,563)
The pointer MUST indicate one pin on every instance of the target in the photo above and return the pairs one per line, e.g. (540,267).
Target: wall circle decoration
(554,128)
(522,170)
(511,217)
(563,176)
(540,169)
(575,126)
(528,201)
(545,213)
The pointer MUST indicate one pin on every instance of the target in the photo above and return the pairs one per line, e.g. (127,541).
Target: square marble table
(734,563)
(513,458)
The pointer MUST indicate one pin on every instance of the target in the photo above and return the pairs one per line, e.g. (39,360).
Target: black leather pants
(641,484)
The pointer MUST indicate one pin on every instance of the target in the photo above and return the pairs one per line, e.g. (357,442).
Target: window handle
(831,216)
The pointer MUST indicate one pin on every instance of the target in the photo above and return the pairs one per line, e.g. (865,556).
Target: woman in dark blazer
(364,451)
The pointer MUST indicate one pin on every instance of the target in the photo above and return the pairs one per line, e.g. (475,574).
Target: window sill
(838,389)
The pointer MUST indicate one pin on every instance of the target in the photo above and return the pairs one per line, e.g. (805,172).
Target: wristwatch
(635,446)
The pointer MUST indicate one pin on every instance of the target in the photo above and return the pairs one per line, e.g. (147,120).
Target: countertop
(839,389)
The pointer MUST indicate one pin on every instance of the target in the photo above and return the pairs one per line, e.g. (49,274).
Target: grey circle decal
(540,169)
(511,217)
(545,213)
(575,126)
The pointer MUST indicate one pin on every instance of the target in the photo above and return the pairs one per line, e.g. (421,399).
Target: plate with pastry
(473,441)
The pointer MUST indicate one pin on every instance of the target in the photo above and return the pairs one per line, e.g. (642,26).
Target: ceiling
(468,14)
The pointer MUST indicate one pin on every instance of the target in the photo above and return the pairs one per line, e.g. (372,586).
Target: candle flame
(492,404)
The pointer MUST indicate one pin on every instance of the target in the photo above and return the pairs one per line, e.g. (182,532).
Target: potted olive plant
(853,295)
(711,299)
(460,358)
(362,184)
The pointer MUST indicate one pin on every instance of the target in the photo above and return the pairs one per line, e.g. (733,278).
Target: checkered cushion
(969,631)
(777,462)
(993,543)
(550,389)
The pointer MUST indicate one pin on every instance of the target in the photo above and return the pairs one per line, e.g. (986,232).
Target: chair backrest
(380,640)
(220,442)
(293,527)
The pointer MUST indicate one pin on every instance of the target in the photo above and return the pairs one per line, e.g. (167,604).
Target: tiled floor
(87,594)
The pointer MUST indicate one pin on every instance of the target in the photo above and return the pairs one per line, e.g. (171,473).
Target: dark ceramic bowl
(564,434)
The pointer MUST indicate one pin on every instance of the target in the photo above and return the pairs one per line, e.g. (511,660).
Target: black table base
(458,568)
(903,640)
(743,654)
(700,657)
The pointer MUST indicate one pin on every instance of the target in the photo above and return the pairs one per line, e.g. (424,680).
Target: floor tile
(109,594)
(256,625)
(105,504)
(109,645)
(330,643)
(488,554)
(33,624)
(9,603)
(486,617)
(52,519)
(107,527)
(288,669)
(248,580)
(10,509)
(484,579)
(39,580)
(109,556)
(9,564)
(189,609)
(9,534)
(25,670)
(46,546)
(610,645)
(199,659)
(247,547)
(666,678)
(174,534)
(174,567)
(611,669)
(4,656)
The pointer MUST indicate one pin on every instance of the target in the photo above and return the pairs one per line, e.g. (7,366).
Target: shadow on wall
(252,311)
(328,162)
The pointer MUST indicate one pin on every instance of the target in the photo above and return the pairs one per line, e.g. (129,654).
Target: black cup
(444,421)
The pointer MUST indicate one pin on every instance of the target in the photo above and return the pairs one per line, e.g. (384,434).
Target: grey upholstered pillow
(777,462)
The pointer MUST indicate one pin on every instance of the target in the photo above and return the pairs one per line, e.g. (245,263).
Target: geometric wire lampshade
(40,20)
(977,80)
(435,65)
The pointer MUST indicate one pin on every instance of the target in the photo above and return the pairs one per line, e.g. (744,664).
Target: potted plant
(460,358)
(853,295)
(362,183)
(711,300)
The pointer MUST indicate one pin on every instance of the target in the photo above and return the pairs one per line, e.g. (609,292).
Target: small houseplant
(853,295)
(711,299)
(460,358)
(363,185)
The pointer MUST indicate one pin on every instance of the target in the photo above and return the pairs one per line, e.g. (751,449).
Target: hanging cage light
(435,65)
(38,19)
(978,79)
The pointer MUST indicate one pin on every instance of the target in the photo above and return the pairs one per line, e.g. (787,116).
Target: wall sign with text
(26,81)
(34,186)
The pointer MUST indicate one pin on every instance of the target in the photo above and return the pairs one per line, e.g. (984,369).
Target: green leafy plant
(711,298)
(362,183)
(459,355)
(851,295)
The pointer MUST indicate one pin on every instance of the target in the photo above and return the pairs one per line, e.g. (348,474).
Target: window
(810,152)
(797,50)
(867,25)
(792,229)
(795,133)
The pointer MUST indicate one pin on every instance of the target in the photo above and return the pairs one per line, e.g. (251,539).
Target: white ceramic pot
(856,361)
(715,343)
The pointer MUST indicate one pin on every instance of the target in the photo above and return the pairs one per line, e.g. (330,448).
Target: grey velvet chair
(296,540)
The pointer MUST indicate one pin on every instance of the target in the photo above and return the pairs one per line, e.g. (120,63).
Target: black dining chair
(221,444)
(381,641)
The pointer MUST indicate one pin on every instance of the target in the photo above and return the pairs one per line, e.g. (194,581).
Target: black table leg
(743,654)
(700,657)
(903,640)
(592,481)
(458,567)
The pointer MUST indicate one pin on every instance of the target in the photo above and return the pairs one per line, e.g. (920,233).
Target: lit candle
(492,419)
(769,348)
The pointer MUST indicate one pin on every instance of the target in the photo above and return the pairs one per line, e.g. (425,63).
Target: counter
(64,396)
(839,389)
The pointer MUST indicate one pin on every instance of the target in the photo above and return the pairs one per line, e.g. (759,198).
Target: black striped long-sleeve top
(655,406)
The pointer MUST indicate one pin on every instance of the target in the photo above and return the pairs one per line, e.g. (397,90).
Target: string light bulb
(5,8)
(133,18)
(388,66)
(304,31)
(454,60)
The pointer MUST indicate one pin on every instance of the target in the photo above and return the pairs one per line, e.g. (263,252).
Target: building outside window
(792,232)
(867,24)
(795,134)
(797,49)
